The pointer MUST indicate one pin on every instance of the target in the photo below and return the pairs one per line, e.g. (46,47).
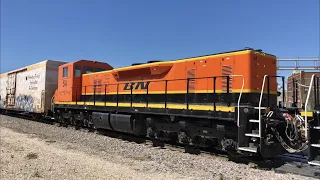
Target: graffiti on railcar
(2,102)
(25,102)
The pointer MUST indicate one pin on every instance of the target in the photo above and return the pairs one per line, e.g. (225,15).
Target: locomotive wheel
(74,122)
(89,125)
(76,125)
(65,122)
(59,121)
(86,123)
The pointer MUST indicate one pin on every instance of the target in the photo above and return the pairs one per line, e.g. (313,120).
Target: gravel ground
(32,150)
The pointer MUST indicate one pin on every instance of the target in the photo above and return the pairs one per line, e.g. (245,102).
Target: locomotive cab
(70,78)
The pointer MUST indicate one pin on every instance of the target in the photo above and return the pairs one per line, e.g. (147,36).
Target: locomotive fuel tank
(119,122)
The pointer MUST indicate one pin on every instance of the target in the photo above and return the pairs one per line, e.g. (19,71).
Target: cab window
(65,72)
(87,70)
(77,71)
(99,69)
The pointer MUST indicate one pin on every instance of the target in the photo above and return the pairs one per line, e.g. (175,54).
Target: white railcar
(30,88)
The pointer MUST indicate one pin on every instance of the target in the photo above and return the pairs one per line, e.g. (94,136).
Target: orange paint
(251,64)
(69,86)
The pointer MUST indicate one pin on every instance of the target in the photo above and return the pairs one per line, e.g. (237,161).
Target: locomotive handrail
(306,104)
(155,81)
(207,77)
(105,95)
(76,96)
(302,85)
(316,92)
(268,91)
(52,103)
(260,100)
(238,118)
(166,89)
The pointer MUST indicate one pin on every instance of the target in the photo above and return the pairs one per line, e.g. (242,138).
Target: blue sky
(126,32)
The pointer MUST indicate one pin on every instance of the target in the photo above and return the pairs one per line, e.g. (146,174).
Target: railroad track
(288,163)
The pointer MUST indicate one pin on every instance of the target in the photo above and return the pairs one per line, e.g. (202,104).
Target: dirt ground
(34,150)
(26,157)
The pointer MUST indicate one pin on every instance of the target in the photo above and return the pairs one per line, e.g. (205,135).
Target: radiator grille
(191,73)
(226,71)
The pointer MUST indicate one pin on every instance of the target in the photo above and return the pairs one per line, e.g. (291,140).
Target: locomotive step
(314,162)
(316,127)
(252,134)
(254,120)
(260,107)
(249,149)
(315,145)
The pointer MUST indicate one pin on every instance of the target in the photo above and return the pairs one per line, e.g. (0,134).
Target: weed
(142,158)
(50,141)
(32,156)
(36,174)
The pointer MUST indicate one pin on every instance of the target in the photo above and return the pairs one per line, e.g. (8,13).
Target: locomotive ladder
(256,134)
(312,126)
(313,132)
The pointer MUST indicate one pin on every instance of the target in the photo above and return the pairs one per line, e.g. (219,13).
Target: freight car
(296,91)
(226,101)
(30,89)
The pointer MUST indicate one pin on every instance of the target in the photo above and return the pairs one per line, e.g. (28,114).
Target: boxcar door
(11,89)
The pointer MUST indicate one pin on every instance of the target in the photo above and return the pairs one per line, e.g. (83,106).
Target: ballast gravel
(34,150)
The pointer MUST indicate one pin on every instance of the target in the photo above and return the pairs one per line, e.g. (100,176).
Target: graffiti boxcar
(30,88)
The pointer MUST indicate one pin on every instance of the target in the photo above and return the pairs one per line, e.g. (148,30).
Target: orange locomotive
(200,101)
